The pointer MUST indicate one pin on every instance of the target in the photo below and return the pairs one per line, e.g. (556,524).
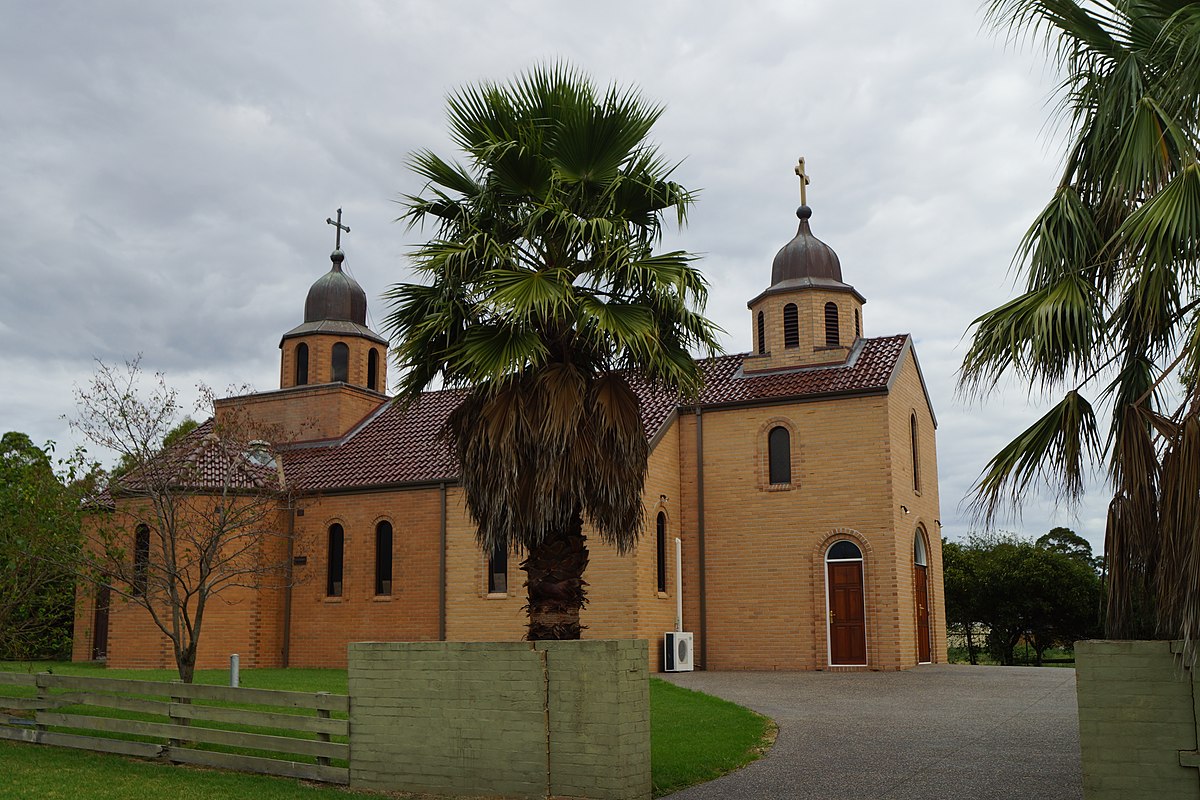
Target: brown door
(922,614)
(100,625)
(847,618)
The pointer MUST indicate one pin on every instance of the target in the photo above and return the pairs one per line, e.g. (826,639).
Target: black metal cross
(340,227)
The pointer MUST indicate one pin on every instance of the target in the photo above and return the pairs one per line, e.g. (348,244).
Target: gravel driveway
(937,731)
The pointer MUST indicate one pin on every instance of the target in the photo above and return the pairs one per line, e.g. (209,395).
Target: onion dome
(805,259)
(337,305)
(336,296)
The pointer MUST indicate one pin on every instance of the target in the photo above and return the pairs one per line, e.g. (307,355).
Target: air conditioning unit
(677,652)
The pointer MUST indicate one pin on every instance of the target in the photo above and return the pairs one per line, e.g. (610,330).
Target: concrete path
(936,732)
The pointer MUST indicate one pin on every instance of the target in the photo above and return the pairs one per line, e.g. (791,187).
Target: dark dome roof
(336,295)
(805,256)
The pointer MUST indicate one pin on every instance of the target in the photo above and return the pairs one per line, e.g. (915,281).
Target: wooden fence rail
(61,705)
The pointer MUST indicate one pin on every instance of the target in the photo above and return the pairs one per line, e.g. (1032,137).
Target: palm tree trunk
(555,585)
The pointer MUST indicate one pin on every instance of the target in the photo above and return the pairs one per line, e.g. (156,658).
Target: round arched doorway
(847,619)
(921,590)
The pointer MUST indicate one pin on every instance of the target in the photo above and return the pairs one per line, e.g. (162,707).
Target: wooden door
(100,625)
(847,617)
(922,585)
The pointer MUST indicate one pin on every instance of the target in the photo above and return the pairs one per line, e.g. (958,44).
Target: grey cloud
(167,170)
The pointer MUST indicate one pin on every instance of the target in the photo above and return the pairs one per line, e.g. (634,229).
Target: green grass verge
(694,738)
(54,773)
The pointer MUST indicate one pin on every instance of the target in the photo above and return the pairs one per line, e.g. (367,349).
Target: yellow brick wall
(810,308)
(238,619)
(906,400)
(764,548)
(303,413)
(663,494)
(322,626)
(320,360)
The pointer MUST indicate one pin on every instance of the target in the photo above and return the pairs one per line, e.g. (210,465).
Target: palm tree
(544,299)
(1110,302)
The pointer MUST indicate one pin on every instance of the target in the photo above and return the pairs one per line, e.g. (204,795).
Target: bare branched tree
(186,523)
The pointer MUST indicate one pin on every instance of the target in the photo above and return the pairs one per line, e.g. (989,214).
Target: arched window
(762,334)
(373,370)
(383,558)
(919,557)
(779,455)
(857,324)
(301,364)
(916,453)
(141,558)
(832,338)
(334,563)
(661,540)
(791,326)
(844,551)
(498,571)
(341,362)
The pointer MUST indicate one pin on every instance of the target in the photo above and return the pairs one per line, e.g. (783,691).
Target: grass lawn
(694,738)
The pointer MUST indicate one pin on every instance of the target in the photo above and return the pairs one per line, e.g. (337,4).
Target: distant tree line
(41,504)
(39,537)
(1002,589)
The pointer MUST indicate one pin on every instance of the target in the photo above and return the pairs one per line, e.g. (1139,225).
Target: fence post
(234,670)
(323,713)
(43,693)
(180,699)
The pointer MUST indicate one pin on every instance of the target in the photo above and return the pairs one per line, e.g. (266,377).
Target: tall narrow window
(832,337)
(779,455)
(661,539)
(498,572)
(337,548)
(916,454)
(341,362)
(383,558)
(857,324)
(762,334)
(373,370)
(141,559)
(791,326)
(301,364)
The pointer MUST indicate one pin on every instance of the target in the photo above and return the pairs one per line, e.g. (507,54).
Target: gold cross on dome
(340,227)
(804,181)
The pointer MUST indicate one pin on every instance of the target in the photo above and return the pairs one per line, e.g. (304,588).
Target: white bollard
(233,670)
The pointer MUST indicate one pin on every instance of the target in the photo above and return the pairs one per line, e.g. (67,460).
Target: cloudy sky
(167,169)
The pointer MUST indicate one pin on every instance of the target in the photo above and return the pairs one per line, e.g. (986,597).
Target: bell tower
(808,316)
(334,344)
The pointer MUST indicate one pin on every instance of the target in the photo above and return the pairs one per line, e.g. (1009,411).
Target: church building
(802,484)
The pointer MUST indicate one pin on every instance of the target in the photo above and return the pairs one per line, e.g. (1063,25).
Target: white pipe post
(678,584)
(234,669)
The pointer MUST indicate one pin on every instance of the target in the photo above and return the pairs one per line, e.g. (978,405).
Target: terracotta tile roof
(868,370)
(198,462)
(394,446)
